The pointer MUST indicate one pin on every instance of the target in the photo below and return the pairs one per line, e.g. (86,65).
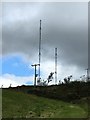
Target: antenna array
(39,48)
(55,65)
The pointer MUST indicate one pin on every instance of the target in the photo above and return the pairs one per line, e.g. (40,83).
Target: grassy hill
(66,92)
(17,104)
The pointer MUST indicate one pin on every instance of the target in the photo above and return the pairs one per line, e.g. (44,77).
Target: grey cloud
(63,26)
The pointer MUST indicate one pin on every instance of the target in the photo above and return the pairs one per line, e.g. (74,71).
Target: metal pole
(39,49)
(35,65)
(87,74)
(55,65)
(35,77)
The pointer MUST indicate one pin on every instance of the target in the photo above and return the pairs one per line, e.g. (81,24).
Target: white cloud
(8,79)
(62,71)
(46,68)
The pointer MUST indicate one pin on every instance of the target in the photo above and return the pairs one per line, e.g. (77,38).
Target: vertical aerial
(87,74)
(55,65)
(39,49)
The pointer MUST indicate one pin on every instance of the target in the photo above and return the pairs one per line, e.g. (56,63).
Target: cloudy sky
(64,25)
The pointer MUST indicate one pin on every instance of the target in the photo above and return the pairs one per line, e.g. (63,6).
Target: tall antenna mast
(87,74)
(55,65)
(39,48)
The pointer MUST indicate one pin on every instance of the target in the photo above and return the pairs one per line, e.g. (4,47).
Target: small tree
(67,80)
(59,82)
(50,77)
(45,82)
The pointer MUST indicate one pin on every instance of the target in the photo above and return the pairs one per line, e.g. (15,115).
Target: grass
(22,105)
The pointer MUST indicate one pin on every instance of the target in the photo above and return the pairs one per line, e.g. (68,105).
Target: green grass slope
(22,105)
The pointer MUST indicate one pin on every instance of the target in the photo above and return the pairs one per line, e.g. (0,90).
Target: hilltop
(62,101)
